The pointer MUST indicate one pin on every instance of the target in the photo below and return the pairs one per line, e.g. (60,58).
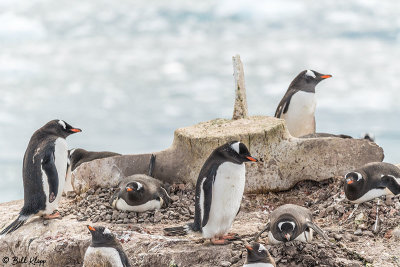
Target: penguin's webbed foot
(230,236)
(54,215)
(219,241)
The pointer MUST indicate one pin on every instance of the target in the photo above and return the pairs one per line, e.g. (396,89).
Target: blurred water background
(130,72)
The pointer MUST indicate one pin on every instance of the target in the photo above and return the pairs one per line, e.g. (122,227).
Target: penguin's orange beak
(252,159)
(75,130)
(129,189)
(248,247)
(325,76)
(287,236)
(350,181)
(91,228)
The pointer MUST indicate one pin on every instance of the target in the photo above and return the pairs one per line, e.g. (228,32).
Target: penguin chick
(258,256)
(141,193)
(297,106)
(219,192)
(104,250)
(371,181)
(44,172)
(291,222)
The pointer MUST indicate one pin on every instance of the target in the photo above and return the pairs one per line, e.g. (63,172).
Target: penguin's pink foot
(215,241)
(230,236)
(55,215)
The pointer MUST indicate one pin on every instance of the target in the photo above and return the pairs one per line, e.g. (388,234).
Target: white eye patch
(281,223)
(106,231)
(261,248)
(310,73)
(139,185)
(235,146)
(62,124)
(359,176)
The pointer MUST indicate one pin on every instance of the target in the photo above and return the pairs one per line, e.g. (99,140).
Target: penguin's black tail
(15,224)
(178,231)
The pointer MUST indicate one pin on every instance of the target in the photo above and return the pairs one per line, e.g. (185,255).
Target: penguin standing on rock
(297,106)
(105,250)
(291,222)
(219,192)
(141,192)
(258,256)
(44,172)
(371,181)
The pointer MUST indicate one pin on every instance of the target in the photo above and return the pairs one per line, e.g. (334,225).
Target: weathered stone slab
(284,160)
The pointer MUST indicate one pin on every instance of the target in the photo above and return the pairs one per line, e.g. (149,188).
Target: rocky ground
(358,238)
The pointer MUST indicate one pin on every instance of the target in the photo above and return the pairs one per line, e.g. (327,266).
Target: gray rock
(358,232)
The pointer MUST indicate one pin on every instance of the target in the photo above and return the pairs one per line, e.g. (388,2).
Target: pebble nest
(339,218)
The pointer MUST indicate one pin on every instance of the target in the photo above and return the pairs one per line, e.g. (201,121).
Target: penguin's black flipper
(257,236)
(284,104)
(152,164)
(207,189)
(15,224)
(123,257)
(392,183)
(317,229)
(50,169)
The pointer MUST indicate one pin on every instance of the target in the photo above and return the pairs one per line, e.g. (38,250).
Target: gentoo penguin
(141,192)
(258,256)
(324,135)
(297,106)
(44,172)
(370,137)
(290,222)
(105,250)
(219,191)
(77,156)
(372,180)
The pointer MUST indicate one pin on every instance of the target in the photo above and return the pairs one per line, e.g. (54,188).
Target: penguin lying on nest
(290,222)
(104,250)
(44,172)
(371,181)
(141,192)
(219,192)
(258,256)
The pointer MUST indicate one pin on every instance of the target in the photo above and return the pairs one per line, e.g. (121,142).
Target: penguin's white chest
(227,193)
(102,256)
(258,264)
(60,162)
(154,204)
(300,118)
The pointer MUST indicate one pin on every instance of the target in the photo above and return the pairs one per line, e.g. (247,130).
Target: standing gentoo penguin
(372,180)
(77,156)
(290,222)
(258,256)
(105,250)
(44,172)
(297,106)
(141,192)
(219,191)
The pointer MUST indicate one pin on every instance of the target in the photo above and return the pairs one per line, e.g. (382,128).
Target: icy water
(130,72)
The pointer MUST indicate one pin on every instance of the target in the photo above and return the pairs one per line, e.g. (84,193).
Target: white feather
(202,198)
(235,146)
(261,248)
(310,73)
(227,193)
(371,194)
(300,115)
(102,255)
(139,185)
(106,231)
(62,123)
(120,204)
(306,236)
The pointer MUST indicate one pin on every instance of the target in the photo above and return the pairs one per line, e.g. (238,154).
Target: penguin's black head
(101,235)
(256,252)
(60,128)
(286,229)
(353,180)
(134,187)
(307,80)
(236,152)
